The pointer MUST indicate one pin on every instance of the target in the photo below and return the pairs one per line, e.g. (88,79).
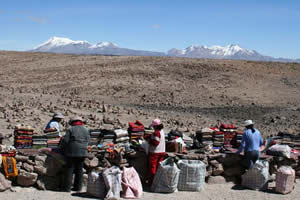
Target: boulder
(27,179)
(21,158)
(27,167)
(40,158)
(216,180)
(4,183)
(42,171)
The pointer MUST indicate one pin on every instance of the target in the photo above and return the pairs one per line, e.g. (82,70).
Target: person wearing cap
(157,148)
(75,148)
(54,122)
(251,143)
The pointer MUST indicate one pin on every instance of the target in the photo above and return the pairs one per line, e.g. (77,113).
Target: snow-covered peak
(104,44)
(60,41)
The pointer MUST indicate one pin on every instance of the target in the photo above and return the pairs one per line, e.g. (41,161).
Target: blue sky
(271,27)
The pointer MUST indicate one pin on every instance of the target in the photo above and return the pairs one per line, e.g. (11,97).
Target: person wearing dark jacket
(75,147)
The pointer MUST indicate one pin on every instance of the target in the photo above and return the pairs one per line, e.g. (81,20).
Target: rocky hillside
(112,90)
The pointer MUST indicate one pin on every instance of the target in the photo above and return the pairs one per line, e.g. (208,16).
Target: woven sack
(166,177)
(131,184)
(112,179)
(280,150)
(192,175)
(257,177)
(96,186)
(285,179)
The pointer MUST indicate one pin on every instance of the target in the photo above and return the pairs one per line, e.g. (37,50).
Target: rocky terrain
(110,91)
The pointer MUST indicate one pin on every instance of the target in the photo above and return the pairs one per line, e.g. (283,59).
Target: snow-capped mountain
(218,52)
(66,45)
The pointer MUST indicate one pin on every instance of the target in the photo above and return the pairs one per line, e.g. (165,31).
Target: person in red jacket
(157,148)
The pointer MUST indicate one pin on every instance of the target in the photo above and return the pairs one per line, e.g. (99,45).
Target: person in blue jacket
(251,143)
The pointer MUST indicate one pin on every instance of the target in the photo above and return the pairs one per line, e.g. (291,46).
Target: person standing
(75,147)
(157,148)
(251,143)
(54,122)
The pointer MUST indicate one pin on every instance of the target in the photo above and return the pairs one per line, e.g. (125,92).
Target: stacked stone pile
(45,170)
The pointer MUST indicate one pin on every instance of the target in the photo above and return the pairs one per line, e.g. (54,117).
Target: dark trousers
(74,165)
(250,158)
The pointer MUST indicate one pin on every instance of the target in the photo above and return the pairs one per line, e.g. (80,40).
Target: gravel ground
(215,192)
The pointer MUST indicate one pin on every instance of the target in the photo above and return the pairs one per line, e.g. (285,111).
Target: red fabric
(77,123)
(137,124)
(152,140)
(154,160)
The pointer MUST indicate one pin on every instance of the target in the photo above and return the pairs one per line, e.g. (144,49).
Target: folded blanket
(121,133)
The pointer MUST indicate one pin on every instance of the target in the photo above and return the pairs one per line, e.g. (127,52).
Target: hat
(74,119)
(248,122)
(58,115)
(156,122)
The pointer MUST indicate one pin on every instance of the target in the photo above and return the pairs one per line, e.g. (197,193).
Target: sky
(271,27)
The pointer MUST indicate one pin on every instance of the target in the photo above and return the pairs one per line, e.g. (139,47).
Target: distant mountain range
(65,45)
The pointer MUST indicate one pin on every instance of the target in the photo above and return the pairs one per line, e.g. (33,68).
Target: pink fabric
(131,184)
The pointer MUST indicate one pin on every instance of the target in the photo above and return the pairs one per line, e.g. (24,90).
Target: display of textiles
(95,136)
(23,136)
(136,130)
(238,138)
(229,134)
(205,136)
(121,136)
(218,138)
(39,141)
(53,138)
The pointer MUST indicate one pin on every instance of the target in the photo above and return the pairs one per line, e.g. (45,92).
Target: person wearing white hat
(54,122)
(75,148)
(157,148)
(251,143)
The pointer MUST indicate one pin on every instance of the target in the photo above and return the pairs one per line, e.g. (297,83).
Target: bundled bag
(9,166)
(96,185)
(285,179)
(166,177)
(280,150)
(131,184)
(192,175)
(112,179)
(257,177)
